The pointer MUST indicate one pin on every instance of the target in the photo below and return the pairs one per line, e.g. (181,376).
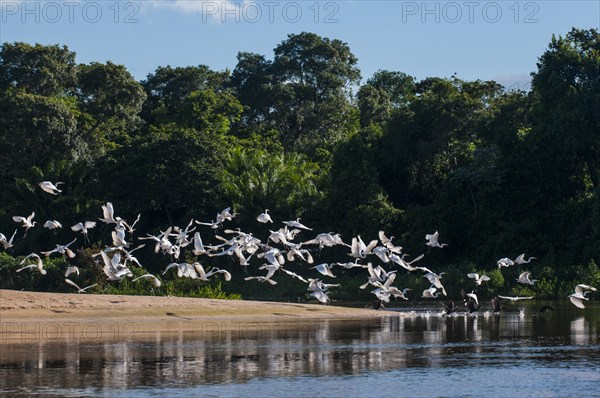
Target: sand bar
(32,316)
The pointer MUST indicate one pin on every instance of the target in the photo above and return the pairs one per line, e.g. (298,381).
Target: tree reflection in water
(239,353)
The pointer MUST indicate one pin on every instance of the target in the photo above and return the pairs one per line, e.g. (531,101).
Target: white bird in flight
(62,249)
(261,279)
(52,224)
(359,249)
(49,187)
(84,227)
(505,262)
(524,278)
(264,217)
(432,240)
(297,224)
(71,270)
(155,280)
(27,221)
(435,280)
(430,293)
(324,269)
(580,295)
(7,243)
(521,259)
(79,290)
(515,298)
(39,265)
(478,278)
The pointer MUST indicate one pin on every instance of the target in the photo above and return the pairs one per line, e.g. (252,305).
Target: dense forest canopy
(496,172)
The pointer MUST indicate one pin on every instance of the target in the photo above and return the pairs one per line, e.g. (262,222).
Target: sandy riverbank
(34,315)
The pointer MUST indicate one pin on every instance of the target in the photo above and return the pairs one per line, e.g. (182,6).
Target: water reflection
(245,352)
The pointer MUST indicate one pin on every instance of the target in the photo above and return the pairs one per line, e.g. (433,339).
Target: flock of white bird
(279,248)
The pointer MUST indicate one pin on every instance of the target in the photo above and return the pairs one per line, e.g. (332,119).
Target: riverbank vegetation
(497,172)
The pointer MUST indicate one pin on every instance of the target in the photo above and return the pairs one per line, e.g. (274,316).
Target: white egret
(430,293)
(155,280)
(329,239)
(324,269)
(212,224)
(42,271)
(264,217)
(297,251)
(198,245)
(319,290)
(79,290)
(293,274)
(478,279)
(225,215)
(108,213)
(387,242)
(39,265)
(277,237)
(396,259)
(7,243)
(521,259)
(505,262)
(515,298)
(52,224)
(181,235)
(27,221)
(435,280)
(524,278)
(261,279)
(129,258)
(432,240)
(385,290)
(350,265)
(83,227)
(62,249)
(51,188)
(297,224)
(580,295)
(382,252)
(272,255)
(118,237)
(226,274)
(359,249)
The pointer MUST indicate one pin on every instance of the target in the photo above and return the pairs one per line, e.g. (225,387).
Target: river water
(516,353)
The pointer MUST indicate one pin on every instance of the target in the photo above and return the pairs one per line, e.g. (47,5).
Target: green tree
(169,174)
(110,100)
(39,70)
(304,93)
(35,130)
(255,179)
(168,87)
(566,91)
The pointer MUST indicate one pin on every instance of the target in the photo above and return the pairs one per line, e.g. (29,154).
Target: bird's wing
(88,287)
(70,282)
(578,302)
(77,227)
(389,281)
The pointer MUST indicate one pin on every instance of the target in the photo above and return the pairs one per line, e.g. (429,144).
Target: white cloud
(217,10)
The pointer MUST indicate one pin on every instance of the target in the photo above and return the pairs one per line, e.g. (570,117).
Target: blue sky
(498,40)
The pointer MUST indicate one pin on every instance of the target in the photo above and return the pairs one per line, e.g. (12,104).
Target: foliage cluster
(496,172)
